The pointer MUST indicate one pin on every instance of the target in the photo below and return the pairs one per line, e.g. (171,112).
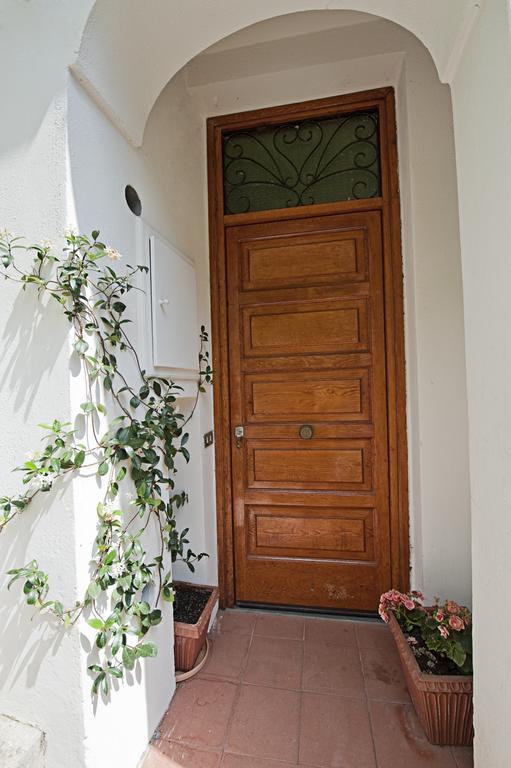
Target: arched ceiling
(131,49)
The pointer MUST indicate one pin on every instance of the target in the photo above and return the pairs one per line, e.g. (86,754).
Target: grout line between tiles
(368,708)
(238,694)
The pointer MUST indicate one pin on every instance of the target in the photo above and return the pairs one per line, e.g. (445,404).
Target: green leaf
(114,671)
(93,590)
(97,682)
(155,617)
(95,623)
(103,468)
(147,650)
(81,346)
(88,407)
(121,474)
(129,657)
(79,459)
(458,655)
(110,557)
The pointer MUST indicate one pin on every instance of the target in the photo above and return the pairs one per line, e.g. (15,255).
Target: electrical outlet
(208,438)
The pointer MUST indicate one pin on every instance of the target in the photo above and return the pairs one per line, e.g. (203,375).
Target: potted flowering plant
(435,646)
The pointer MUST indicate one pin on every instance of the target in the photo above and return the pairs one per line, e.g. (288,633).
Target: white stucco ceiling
(130,50)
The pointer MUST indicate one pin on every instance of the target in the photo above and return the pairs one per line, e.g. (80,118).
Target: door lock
(239,432)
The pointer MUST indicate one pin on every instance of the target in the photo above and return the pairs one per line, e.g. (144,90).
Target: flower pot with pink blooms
(435,646)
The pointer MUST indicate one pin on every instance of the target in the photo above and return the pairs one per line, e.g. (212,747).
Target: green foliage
(141,443)
(446,629)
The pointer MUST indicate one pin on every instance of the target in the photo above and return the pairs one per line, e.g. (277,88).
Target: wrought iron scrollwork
(302,164)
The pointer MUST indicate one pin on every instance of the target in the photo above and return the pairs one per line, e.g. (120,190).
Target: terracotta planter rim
(190,638)
(206,611)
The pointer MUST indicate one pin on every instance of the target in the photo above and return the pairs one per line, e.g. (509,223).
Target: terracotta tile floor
(285,690)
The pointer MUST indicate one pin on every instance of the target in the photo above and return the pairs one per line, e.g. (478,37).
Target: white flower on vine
(5,234)
(42,482)
(32,455)
(108,511)
(113,254)
(117,569)
(70,232)
(131,498)
(46,244)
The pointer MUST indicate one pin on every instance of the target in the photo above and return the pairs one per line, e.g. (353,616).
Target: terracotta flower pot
(443,702)
(189,639)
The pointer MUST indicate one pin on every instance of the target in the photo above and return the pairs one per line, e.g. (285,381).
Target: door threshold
(312,612)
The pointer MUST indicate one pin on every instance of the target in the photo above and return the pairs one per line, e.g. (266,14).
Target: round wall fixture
(133,200)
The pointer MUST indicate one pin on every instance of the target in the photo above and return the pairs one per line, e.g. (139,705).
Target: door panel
(310,327)
(328,395)
(309,464)
(334,533)
(290,261)
(307,347)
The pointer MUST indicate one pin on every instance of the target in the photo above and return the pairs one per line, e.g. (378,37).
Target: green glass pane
(305,163)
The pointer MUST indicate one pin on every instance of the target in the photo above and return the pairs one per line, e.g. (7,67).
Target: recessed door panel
(328,396)
(319,326)
(291,261)
(310,532)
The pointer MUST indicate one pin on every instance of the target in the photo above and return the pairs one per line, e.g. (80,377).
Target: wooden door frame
(383,100)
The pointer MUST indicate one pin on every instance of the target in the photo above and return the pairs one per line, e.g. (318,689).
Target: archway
(113,63)
(168,169)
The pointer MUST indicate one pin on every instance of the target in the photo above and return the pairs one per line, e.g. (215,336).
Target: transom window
(303,163)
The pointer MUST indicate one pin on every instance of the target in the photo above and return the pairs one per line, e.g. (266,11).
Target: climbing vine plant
(141,440)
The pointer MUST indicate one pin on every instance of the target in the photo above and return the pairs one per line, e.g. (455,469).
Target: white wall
(481,96)
(39,665)
(356,57)
(167,173)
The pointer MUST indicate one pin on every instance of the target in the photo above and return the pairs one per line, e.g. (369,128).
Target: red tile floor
(285,690)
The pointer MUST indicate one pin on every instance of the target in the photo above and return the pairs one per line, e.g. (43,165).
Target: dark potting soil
(429,662)
(189,602)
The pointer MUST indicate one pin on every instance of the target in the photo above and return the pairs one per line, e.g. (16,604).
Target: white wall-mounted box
(170,337)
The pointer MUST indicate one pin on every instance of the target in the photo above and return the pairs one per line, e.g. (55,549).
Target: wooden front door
(307,380)
(309,395)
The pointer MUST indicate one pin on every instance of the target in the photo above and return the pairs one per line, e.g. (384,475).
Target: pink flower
(444,632)
(456,623)
(439,616)
(452,606)
(383,613)
(417,594)
(412,640)
(409,605)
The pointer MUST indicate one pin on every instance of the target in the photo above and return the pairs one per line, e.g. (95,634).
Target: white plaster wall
(39,667)
(343,59)
(167,173)
(481,97)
